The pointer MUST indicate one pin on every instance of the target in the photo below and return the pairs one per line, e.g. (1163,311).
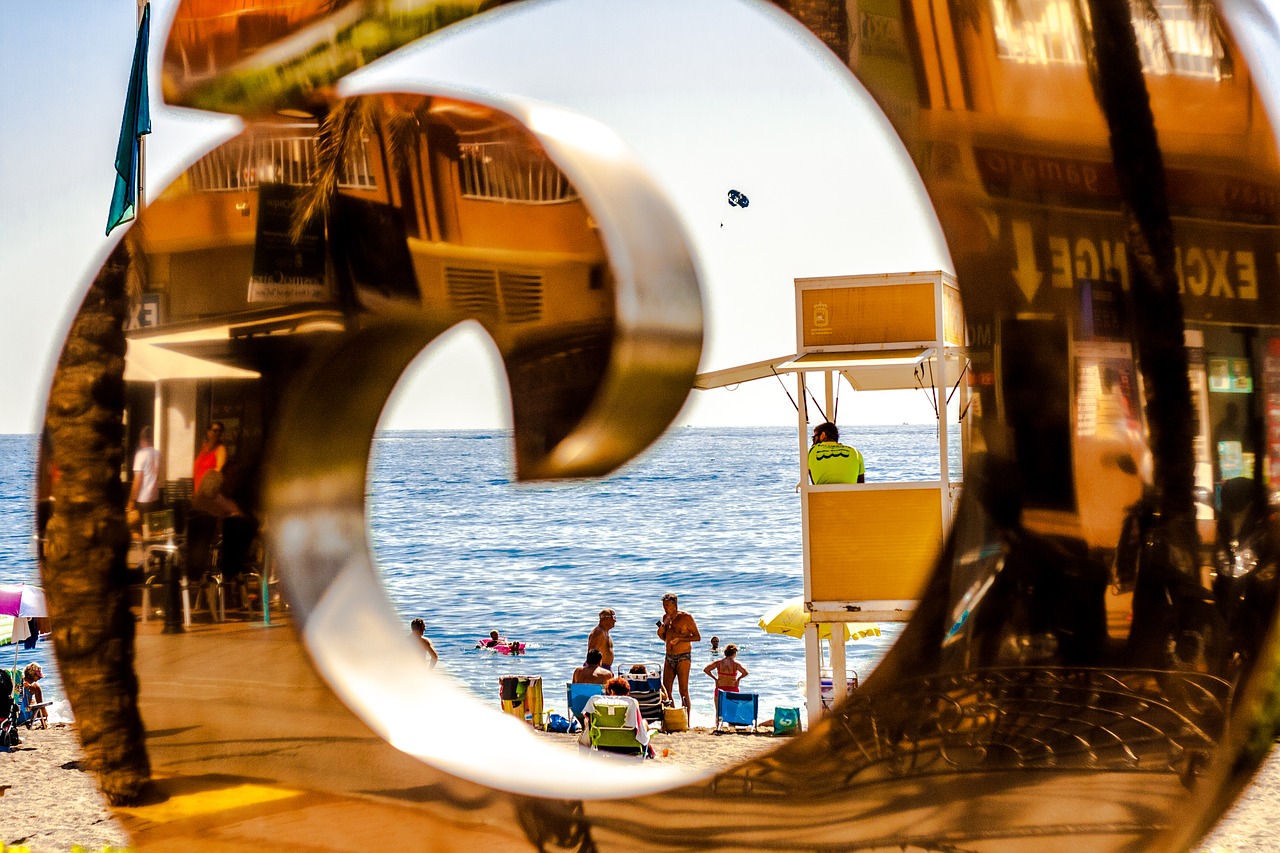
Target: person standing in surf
(419,630)
(679,631)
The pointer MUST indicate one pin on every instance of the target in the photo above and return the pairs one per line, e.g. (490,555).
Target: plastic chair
(609,731)
(738,709)
(576,696)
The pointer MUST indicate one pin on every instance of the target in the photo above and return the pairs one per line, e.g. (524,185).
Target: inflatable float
(502,646)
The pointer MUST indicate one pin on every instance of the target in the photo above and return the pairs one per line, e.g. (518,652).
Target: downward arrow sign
(1026,274)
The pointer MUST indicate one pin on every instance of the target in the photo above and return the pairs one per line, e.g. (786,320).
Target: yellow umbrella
(789,618)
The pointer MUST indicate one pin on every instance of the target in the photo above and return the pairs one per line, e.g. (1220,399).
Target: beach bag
(8,734)
(557,723)
(786,721)
(675,720)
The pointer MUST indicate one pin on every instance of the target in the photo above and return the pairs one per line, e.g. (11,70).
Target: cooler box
(521,696)
(642,677)
(786,721)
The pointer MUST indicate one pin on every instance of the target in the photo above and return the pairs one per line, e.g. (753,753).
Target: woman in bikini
(727,672)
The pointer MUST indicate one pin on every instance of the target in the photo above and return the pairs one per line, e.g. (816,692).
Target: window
(1045,32)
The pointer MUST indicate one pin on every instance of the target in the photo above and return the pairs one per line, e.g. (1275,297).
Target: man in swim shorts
(678,630)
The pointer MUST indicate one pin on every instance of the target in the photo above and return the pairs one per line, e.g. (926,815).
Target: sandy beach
(48,803)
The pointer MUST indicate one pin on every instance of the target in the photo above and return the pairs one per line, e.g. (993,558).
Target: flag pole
(142,140)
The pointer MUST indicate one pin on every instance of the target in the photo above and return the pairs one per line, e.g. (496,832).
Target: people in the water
(499,643)
(418,628)
(833,462)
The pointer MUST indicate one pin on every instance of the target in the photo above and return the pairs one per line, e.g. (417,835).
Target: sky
(712,96)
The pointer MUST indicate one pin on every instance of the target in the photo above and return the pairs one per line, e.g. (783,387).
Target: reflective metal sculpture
(1091,664)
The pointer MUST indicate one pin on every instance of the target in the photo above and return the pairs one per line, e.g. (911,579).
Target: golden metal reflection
(1090,665)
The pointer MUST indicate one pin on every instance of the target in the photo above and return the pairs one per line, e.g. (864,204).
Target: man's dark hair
(670,596)
(829,430)
(144,434)
(418,623)
(594,657)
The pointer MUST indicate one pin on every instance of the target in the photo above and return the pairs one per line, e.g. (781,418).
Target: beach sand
(49,804)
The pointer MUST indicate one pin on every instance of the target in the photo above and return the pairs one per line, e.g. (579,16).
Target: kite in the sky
(737,199)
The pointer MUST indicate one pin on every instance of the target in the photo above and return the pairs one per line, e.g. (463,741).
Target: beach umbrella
(789,618)
(20,600)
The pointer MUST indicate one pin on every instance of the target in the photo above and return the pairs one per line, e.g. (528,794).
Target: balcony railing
(273,158)
(505,172)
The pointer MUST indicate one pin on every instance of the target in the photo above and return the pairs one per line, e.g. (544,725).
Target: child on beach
(727,672)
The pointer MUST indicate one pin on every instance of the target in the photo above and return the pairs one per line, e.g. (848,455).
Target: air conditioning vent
(473,292)
(513,297)
(521,296)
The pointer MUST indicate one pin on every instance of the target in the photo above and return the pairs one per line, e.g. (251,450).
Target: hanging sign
(285,270)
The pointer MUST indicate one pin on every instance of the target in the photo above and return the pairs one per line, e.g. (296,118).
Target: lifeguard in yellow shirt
(833,462)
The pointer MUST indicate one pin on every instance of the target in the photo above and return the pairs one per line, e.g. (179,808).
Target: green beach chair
(609,731)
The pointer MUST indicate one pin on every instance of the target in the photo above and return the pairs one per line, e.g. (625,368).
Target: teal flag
(136,122)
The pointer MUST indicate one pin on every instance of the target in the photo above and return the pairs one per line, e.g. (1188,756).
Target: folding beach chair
(576,696)
(645,681)
(30,713)
(609,731)
(738,709)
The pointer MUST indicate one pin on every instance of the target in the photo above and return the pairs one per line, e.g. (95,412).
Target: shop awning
(146,362)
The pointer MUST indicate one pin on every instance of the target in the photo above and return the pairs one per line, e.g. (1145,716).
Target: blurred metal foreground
(1077,676)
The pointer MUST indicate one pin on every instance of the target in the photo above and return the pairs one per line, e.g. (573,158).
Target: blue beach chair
(31,713)
(576,696)
(738,709)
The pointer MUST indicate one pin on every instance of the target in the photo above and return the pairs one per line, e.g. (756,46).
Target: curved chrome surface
(1090,666)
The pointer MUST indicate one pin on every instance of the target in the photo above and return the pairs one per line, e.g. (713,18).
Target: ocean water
(710,514)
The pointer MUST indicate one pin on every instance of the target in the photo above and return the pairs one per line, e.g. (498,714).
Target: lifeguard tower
(868,547)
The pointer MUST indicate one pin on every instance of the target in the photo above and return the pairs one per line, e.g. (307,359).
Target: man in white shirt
(144,494)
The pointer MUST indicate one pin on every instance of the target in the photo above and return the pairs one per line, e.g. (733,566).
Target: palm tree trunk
(1158,321)
(93,628)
